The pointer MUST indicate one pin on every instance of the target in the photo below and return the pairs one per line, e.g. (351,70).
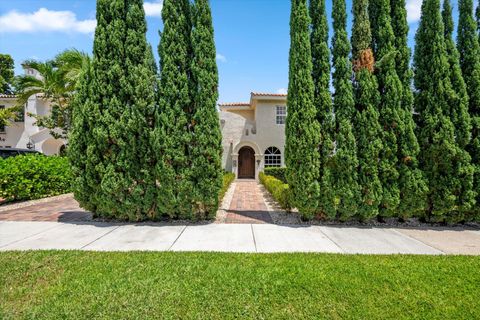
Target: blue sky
(252,36)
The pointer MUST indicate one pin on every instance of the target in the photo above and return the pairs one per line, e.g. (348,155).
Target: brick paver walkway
(247,205)
(66,209)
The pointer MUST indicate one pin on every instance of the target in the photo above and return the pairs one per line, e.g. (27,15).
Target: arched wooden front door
(246,163)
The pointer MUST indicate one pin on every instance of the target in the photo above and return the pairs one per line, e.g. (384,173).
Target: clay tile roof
(7,95)
(235,104)
(264,94)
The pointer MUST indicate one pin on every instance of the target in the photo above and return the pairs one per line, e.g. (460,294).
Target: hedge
(279,173)
(228,178)
(279,190)
(33,177)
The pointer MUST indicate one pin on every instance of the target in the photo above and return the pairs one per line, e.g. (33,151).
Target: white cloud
(282,91)
(45,20)
(414,10)
(59,21)
(153,9)
(221,58)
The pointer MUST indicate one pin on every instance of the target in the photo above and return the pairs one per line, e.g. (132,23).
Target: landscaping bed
(88,285)
(30,177)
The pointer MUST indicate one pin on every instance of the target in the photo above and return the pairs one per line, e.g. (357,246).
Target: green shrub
(279,173)
(228,178)
(279,190)
(34,176)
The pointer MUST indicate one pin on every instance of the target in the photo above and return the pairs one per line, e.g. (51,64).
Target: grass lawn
(86,285)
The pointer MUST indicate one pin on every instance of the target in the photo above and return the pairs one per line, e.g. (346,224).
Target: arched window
(273,157)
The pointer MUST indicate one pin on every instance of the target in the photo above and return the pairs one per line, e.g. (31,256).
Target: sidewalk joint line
(254,240)
(333,241)
(420,241)
(103,235)
(178,237)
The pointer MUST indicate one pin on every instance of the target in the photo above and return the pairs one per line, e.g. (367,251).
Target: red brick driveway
(63,208)
(248,205)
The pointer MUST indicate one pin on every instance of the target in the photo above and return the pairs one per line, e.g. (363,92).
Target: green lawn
(82,285)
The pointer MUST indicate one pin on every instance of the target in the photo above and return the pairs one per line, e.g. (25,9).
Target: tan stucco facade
(252,125)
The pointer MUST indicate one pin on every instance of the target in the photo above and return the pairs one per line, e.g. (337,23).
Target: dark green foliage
(367,127)
(390,107)
(206,143)
(227,180)
(446,165)
(302,128)
(6,73)
(279,173)
(412,184)
(459,115)
(322,96)
(469,49)
(478,19)
(116,180)
(279,190)
(172,134)
(341,199)
(34,176)
(81,149)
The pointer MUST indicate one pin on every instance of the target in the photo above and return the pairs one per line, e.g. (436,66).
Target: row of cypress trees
(147,144)
(392,142)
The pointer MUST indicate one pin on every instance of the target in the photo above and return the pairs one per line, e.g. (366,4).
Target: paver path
(248,205)
(61,210)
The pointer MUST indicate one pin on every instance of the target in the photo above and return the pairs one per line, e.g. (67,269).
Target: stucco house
(23,133)
(253,134)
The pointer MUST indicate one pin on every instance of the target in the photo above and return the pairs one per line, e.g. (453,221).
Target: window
(281,114)
(273,157)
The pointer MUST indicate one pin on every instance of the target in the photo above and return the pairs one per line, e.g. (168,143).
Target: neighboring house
(23,133)
(253,134)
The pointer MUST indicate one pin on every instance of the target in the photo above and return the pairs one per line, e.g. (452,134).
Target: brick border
(24,204)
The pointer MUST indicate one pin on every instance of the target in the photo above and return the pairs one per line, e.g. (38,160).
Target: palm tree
(56,83)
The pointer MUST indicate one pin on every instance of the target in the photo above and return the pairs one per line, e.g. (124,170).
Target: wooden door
(246,163)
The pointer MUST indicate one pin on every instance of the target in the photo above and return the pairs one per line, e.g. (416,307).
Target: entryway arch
(246,163)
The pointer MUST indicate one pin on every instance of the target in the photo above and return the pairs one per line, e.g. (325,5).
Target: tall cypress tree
(302,128)
(367,127)
(171,136)
(322,96)
(81,149)
(478,19)
(469,49)
(445,164)
(206,145)
(390,107)
(122,96)
(459,115)
(412,184)
(342,201)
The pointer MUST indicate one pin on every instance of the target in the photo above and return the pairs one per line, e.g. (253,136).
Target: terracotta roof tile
(7,95)
(235,104)
(265,94)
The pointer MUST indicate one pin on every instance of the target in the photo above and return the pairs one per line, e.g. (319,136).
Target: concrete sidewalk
(235,238)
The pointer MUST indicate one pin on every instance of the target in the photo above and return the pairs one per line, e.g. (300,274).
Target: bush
(33,177)
(279,190)
(228,178)
(279,173)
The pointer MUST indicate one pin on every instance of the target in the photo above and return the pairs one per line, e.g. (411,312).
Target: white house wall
(18,134)
(255,128)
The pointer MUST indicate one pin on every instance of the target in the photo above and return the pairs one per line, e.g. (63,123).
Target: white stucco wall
(18,134)
(255,128)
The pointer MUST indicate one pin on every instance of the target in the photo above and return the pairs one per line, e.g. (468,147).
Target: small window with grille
(273,157)
(281,114)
